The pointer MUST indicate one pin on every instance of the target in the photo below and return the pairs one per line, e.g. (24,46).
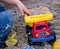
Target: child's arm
(20,5)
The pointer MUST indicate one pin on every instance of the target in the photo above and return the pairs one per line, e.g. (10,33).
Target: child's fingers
(23,9)
(27,11)
(22,12)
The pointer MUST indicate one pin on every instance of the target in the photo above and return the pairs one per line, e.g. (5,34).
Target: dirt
(20,26)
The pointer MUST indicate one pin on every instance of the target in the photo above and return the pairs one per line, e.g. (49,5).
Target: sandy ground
(19,25)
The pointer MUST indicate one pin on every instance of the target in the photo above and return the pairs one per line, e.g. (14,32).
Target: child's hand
(23,9)
(20,5)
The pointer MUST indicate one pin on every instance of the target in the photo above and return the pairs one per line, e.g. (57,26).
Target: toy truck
(38,29)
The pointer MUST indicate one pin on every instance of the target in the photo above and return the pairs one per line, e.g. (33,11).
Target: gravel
(19,24)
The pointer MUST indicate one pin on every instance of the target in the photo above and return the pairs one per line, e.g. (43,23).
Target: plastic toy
(38,28)
(6,22)
(40,34)
(37,18)
(29,48)
(56,44)
(11,41)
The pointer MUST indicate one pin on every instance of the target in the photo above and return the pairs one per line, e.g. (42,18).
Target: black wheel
(29,34)
(49,24)
(52,41)
(28,28)
(29,40)
(39,43)
(52,33)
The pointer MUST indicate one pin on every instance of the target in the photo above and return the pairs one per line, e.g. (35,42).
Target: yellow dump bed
(38,18)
